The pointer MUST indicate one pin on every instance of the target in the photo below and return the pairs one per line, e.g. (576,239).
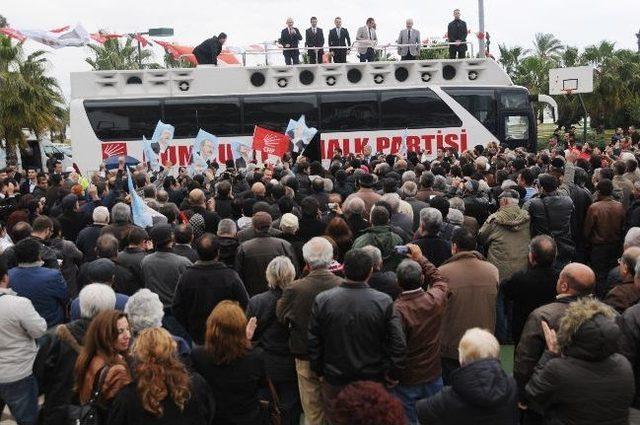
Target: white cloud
(513,22)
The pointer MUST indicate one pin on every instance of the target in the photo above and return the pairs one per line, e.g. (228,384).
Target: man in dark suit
(339,36)
(314,38)
(457,33)
(289,38)
(207,52)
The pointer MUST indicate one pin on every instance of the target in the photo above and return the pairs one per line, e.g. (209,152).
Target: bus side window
(218,116)
(274,112)
(123,119)
(349,111)
(416,109)
(514,100)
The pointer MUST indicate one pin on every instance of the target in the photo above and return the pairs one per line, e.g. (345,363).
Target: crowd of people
(375,291)
(339,42)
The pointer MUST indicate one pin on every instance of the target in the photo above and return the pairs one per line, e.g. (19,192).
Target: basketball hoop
(567,92)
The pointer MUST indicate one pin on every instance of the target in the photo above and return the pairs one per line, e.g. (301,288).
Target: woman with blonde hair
(234,371)
(273,337)
(164,392)
(104,357)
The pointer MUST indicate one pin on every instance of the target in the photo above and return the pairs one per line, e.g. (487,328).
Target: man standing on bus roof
(207,52)
(289,38)
(409,36)
(367,39)
(339,36)
(457,33)
(314,38)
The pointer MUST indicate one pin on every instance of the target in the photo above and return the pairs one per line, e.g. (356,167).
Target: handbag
(91,412)
(271,411)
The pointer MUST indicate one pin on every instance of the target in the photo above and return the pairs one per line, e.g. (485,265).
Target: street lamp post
(152,32)
(481,45)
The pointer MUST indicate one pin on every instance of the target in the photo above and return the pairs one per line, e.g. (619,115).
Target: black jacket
(457,30)
(528,289)
(86,241)
(72,223)
(355,334)
(131,259)
(385,282)
(314,40)
(290,39)
(207,53)
(234,386)
(126,408)
(343,40)
(589,384)
(633,214)
(629,344)
(56,380)
(435,249)
(224,207)
(480,393)
(552,215)
(186,251)
(228,248)
(478,207)
(200,288)
(272,336)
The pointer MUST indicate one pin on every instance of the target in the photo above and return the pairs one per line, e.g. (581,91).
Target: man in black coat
(314,38)
(355,333)
(457,33)
(339,36)
(289,38)
(207,52)
(202,286)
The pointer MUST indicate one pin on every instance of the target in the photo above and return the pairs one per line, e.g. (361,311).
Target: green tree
(114,54)
(511,57)
(29,98)
(547,46)
(596,55)
(170,62)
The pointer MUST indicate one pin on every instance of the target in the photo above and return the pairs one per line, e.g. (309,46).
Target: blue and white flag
(162,137)
(205,148)
(300,134)
(150,155)
(141,212)
(403,145)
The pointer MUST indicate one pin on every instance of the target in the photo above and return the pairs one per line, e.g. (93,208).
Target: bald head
(628,263)
(196,197)
(258,189)
(261,221)
(576,279)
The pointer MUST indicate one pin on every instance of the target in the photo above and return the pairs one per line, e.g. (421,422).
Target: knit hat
(161,234)
(101,270)
(101,215)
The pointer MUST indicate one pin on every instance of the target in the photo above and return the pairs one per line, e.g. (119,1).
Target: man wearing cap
(86,241)
(254,256)
(101,271)
(71,221)
(366,192)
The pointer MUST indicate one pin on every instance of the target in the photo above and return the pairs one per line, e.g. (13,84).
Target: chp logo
(113,149)
(271,144)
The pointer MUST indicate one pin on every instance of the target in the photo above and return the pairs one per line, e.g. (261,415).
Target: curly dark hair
(367,403)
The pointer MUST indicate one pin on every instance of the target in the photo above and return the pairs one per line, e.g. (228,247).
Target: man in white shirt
(409,36)
(20,325)
(367,40)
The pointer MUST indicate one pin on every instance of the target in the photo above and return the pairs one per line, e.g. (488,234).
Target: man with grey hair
(409,190)
(294,309)
(120,224)
(469,223)
(383,281)
(421,306)
(409,176)
(397,218)
(506,235)
(86,241)
(435,248)
(354,215)
(632,238)
(228,241)
(426,190)
(627,293)
(62,350)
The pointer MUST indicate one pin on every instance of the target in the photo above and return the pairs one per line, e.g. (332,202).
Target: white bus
(435,103)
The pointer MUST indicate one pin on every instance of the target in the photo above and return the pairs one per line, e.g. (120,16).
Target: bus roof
(282,79)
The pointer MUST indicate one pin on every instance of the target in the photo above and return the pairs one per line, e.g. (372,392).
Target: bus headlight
(282,82)
(426,77)
(473,75)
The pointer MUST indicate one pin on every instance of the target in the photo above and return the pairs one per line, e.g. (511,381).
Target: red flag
(61,29)
(140,39)
(101,37)
(169,48)
(13,33)
(269,142)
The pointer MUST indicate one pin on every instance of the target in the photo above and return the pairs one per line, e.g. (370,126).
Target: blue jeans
(409,394)
(22,399)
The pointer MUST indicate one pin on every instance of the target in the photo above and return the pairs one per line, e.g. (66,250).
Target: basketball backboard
(573,80)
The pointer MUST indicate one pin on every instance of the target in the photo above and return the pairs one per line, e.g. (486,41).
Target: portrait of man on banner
(242,153)
(299,134)
(205,147)
(150,155)
(162,137)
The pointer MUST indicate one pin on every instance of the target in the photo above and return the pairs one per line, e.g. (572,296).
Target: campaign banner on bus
(394,141)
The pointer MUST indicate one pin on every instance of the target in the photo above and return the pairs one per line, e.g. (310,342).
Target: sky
(577,23)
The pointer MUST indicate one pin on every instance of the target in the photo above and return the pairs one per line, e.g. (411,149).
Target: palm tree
(29,99)
(116,55)
(510,58)
(170,62)
(571,57)
(547,46)
(596,55)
